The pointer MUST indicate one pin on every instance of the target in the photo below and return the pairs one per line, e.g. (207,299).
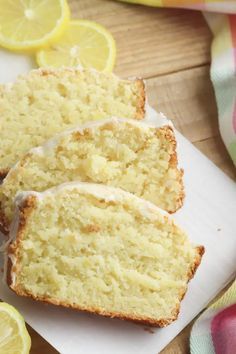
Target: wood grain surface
(171,49)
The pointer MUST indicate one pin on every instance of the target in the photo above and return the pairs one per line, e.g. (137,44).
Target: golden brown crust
(26,209)
(140,112)
(10,269)
(3,172)
(180,200)
(200,251)
(4,223)
(195,265)
(169,135)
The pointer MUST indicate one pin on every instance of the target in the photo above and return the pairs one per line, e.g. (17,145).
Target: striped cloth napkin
(223,67)
(214,332)
(225,6)
(223,75)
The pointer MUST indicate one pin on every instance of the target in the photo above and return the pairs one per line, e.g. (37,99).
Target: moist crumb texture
(45,102)
(102,250)
(121,153)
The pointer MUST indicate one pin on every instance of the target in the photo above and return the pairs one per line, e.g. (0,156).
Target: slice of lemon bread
(48,101)
(134,156)
(102,250)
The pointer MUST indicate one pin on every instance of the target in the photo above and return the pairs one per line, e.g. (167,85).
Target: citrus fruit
(26,24)
(84,43)
(14,337)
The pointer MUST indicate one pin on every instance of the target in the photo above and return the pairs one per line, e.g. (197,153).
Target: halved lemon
(84,43)
(26,24)
(14,337)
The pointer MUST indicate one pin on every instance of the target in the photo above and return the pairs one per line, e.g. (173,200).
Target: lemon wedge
(27,24)
(84,43)
(14,337)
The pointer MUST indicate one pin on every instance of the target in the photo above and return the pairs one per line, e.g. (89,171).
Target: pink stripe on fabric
(210,7)
(234,119)
(223,331)
(232,23)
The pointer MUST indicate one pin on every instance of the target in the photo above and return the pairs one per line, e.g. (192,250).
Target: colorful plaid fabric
(223,75)
(214,332)
(223,68)
(223,6)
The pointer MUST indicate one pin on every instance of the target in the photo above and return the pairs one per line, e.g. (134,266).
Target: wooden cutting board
(171,49)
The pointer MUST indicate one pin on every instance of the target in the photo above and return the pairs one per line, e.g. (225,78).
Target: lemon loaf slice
(134,156)
(48,101)
(102,250)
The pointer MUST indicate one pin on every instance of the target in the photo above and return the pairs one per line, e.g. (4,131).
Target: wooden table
(171,50)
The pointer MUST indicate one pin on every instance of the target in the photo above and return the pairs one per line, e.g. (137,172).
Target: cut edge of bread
(141,110)
(4,224)
(25,204)
(169,135)
(3,173)
(141,105)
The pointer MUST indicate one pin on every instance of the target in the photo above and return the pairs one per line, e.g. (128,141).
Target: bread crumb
(136,266)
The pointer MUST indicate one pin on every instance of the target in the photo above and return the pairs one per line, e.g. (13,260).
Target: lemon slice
(14,337)
(26,24)
(84,43)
